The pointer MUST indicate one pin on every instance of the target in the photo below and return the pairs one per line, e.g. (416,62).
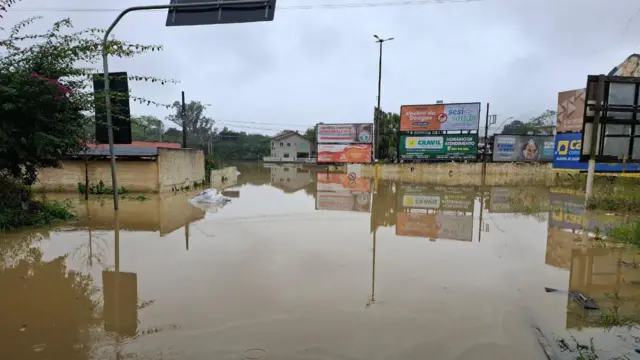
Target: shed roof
(124,151)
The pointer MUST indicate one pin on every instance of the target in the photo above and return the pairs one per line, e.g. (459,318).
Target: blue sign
(566,155)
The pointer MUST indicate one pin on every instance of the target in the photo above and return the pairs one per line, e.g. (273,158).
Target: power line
(280,8)
(267,123)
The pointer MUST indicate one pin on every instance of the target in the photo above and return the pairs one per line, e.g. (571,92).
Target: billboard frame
(435,159)
(317,139)
(495,143)
(477,129)
(597,108)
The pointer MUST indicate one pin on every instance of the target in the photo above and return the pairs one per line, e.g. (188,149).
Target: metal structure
(376,126)
(232,13)
(610,128)
(203,6)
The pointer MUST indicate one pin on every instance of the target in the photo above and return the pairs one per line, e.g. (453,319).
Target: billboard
(439,147)
(342,183)
(345,133)
(570,110)
(343,201)
(444,226)
(566,156)
(527,148)
(454,117)
(437,198)
(354,153)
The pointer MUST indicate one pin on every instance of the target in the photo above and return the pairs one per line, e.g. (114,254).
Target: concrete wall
(464,173)
(230,173)
(178,168)
(141,176)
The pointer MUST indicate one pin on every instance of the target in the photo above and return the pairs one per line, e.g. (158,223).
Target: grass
(626,232)
(610,193)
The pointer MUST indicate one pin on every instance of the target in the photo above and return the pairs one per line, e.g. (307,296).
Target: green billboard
(439,147)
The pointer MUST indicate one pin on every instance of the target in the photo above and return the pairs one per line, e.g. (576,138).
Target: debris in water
(586,302)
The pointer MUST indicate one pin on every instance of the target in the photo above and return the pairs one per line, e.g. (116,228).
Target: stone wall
(464,173)
(178,168)
(138,175)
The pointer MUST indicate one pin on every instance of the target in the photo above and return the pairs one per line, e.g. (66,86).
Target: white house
(289,146)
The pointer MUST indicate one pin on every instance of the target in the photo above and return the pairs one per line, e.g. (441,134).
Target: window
(273,145)
(286,169)
(289,144)
(286,155)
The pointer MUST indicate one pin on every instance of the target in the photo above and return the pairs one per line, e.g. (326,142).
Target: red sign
(354,153)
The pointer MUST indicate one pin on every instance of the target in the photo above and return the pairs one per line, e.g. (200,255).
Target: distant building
(289,146)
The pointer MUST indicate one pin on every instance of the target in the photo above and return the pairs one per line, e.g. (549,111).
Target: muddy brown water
(305,265)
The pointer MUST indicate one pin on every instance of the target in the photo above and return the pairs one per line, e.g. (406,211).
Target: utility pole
(486,135)
(376,138)
(598,108)
(184,122)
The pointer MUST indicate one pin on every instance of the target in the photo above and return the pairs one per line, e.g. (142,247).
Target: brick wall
(179,168)
(140,176)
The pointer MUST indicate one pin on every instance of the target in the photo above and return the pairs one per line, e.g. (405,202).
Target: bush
(17,208)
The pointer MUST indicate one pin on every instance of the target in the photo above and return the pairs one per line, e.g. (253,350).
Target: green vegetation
(17,208)
(100,189)
(542,124)
(627,232)
(610,193)
(47,107)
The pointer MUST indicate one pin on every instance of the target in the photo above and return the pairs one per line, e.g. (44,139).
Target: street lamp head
(376,36)
(389,39)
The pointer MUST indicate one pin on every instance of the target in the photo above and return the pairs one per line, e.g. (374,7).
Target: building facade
(290,146)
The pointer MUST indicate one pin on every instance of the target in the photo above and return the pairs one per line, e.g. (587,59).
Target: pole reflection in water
(120,291)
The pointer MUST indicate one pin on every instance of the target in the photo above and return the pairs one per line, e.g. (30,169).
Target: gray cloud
(321,65)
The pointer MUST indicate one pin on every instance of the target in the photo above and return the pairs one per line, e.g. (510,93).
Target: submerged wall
(178,168)
(135,175)
(464,173)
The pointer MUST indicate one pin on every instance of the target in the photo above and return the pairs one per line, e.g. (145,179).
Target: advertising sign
(345,133)
(342,183)
(443,226)
(343,201)
(570,110)
(354,153)
(566,156)
(528,148)
(452,117)
(439,147)
(440,198)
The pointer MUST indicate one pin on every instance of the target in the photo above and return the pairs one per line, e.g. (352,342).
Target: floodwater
(308,265)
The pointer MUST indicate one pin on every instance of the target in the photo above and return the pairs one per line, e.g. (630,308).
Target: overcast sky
(317,65)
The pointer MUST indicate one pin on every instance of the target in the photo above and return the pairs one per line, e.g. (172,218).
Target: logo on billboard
(425,143)
(429,202)
(364,136)
(569,147)
(443,118)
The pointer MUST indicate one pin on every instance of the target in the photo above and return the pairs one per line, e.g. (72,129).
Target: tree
(389,125)
(147,128)
(47,100)
(543,124)
(199,127)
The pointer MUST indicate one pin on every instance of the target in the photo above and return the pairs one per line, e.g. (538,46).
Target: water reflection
(343,267)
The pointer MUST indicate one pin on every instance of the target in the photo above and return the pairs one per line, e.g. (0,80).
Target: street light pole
(376,139)
(105,64)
